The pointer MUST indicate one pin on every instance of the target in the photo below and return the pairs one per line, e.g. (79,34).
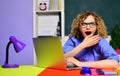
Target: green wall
(108,9)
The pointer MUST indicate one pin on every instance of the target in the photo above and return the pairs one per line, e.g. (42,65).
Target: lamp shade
(18,45)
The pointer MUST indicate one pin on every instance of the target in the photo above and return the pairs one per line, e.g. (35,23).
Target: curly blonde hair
(101,28)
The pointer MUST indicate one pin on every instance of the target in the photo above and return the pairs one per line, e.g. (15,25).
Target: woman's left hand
(70,59)
(74,61)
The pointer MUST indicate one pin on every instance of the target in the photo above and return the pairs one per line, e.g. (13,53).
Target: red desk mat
(55,72)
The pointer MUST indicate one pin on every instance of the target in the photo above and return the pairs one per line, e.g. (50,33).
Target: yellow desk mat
(27,70)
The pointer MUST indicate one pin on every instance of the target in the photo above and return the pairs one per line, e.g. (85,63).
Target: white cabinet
(48,18)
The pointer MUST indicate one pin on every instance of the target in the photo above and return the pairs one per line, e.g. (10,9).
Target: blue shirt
(100,51)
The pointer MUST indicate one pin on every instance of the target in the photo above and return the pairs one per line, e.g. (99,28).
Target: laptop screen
(49,52)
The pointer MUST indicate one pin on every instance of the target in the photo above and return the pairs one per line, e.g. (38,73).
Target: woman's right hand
(90,40)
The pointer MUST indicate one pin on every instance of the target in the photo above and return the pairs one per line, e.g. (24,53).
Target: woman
(87,46)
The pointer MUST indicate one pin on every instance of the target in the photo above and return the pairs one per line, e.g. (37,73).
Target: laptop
(49,53)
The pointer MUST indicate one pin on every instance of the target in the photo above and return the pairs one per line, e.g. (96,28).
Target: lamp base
(10,66)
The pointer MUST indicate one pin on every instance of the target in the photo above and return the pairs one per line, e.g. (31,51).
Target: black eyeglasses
(91,24)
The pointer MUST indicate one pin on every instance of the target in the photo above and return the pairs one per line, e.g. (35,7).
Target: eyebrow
(88,23)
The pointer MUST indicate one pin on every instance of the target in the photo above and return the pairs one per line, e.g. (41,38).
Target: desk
(29,70)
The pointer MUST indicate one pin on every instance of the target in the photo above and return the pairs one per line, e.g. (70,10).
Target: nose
(87,26)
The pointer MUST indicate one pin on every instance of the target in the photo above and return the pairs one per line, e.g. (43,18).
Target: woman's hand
(73,61)
(90,40)
(70,59)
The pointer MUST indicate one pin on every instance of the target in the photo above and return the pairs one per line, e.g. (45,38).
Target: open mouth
(88,32)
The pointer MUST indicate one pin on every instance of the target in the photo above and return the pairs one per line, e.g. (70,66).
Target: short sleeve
(68,46)
(107,51)
(71,43)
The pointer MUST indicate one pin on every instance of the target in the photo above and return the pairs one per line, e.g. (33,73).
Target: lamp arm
(7,52)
